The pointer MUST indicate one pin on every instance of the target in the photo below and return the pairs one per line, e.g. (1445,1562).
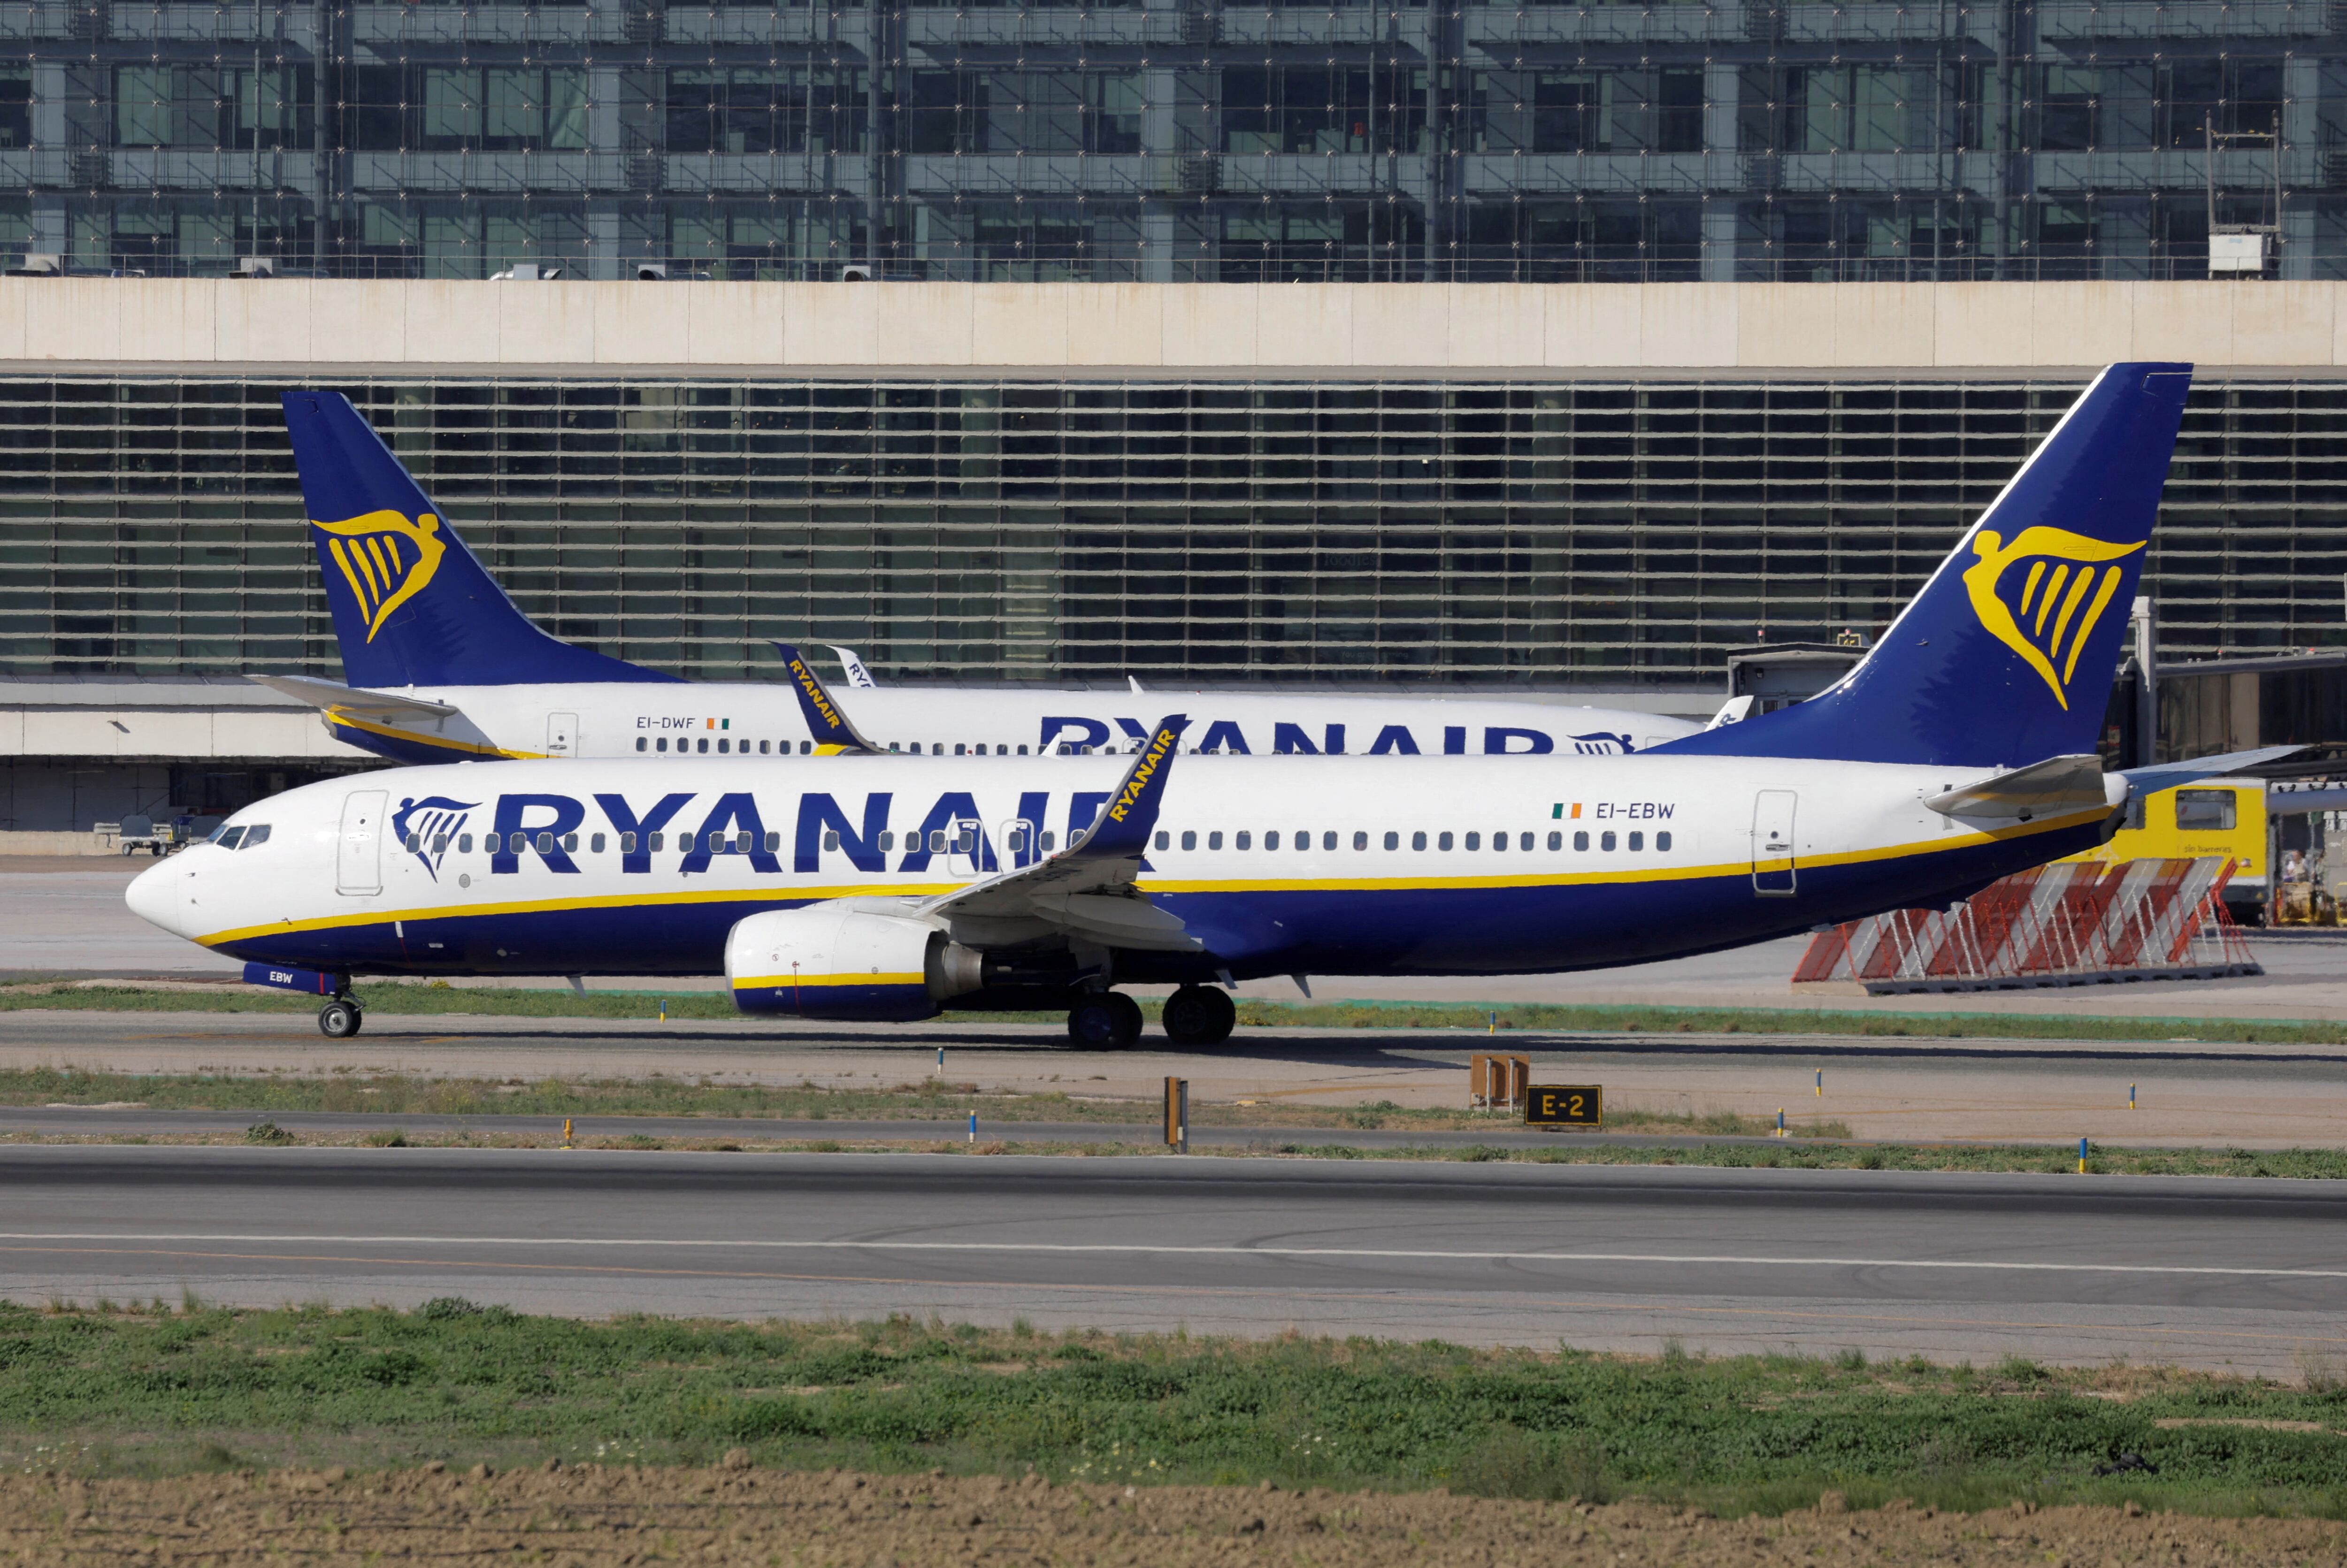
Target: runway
(2247,1275)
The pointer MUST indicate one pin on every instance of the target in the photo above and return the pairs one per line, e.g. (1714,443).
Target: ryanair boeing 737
(442,667)
(893,887)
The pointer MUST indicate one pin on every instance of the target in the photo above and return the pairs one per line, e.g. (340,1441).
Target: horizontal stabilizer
(2048,788)
(2142,781)
(335,698)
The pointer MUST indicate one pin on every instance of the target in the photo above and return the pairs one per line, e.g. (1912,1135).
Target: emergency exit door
(561,735)
(1773,855)
(358,856)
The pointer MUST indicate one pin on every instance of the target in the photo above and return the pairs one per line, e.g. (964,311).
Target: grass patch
(926,1099)
(164,1389)
(407,998)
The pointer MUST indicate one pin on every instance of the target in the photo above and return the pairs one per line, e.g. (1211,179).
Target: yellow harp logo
(2062,596)
(385,558)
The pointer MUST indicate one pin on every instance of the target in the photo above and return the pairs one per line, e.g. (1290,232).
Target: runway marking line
(1129,1248)
(1214,1291)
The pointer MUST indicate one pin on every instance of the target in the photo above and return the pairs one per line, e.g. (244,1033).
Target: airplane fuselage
(1276,865)
(664,719)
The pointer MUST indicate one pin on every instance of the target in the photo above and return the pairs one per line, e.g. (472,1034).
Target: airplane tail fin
(412,606)
(2006,657)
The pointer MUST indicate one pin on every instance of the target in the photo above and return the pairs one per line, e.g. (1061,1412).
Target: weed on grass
(149,1391)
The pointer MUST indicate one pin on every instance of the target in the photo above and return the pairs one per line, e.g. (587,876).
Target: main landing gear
(1111,1020)
(340,1018)
(1105,1021)
(1199,1015)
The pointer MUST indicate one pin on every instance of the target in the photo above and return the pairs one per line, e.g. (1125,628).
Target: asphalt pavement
(2240,1274)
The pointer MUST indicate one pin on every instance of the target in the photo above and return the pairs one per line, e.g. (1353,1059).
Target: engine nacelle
(835,960)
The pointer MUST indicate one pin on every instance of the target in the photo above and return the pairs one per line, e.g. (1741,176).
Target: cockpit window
(257,834)
(228,837)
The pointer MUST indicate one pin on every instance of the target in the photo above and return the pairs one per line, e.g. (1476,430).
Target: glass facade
(1585,534)
(1176,141)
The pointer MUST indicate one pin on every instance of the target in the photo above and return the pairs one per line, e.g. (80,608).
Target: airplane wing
(857,674)
(833,735)
(335,698)
(1087,889)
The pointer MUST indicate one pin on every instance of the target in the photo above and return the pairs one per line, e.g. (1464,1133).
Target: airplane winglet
(858,675)
(833,735)
(1125,823)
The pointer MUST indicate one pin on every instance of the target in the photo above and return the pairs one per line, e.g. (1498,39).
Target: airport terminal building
(1178,140)
(1568,491)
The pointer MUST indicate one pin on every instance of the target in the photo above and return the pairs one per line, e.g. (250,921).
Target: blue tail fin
(2006,657)
(412,606)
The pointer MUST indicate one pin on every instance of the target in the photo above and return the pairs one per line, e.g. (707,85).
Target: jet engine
(835,960)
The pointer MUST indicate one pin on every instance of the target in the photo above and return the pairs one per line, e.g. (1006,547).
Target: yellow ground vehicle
(2217,816)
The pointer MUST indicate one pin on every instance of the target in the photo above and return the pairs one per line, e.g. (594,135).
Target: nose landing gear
(340,1018)
(1106,1021)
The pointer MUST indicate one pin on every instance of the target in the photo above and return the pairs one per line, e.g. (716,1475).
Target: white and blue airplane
(885,886)
(441,666)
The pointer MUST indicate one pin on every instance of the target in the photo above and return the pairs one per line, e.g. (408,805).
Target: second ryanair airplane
(891,886)
(441,667)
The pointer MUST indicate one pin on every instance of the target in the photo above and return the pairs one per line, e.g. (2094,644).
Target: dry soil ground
(592,1515)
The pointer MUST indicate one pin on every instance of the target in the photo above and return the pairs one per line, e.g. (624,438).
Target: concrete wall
(195,323)
(184,734)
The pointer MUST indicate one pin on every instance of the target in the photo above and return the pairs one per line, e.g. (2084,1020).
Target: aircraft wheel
(1108,1021)
(340,1020)
(1199,1015)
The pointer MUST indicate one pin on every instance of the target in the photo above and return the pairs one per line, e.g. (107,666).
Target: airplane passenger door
(961,848)
(1773,867)
(358,856)
(561,735)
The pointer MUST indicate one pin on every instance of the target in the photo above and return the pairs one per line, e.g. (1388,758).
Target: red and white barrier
(2067,924)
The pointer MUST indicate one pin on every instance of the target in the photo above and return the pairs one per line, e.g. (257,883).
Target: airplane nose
(154,894)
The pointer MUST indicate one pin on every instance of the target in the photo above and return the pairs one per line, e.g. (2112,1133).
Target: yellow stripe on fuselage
(1147,885)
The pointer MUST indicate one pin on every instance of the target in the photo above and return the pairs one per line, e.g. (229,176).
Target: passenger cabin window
(1164,839)
(1474,841)
(1360,840)
(595,845)
(1637,841)
(639,742)
(1329,841)
(1606,841)
(2204,810)
(723,746)
(1244,839)
(463,844)
(1304,840)
(1047,841)
(1662,843)
(1189,839)
(663,744)
(1556,841)
(1270,841)
(1213,841)
(1443,842)
(1581,841)
(1393,841)
(627,843)
(1418,841)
